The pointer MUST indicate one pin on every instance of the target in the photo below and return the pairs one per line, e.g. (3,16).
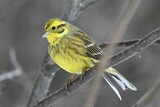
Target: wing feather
(93,50)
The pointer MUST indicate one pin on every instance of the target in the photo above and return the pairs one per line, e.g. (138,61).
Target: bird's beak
(45,34)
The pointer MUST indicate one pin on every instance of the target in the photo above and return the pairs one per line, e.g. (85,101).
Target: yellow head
(55,30)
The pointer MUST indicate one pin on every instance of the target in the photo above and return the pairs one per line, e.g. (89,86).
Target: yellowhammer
(75,52)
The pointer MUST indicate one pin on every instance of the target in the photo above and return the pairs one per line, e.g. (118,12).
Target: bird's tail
(120,79)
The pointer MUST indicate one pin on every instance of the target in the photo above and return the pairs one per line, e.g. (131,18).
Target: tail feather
(121,84)
(112,86)
(120,79)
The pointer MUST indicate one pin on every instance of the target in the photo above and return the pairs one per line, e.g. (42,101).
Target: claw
(69,81)
(82,76)
(66,85)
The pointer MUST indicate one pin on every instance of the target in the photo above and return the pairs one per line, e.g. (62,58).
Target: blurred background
(21,27)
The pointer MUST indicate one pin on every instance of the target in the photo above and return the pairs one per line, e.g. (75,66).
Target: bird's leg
(82,75)
(69,81)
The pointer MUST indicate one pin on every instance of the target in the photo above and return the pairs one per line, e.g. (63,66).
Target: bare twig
(17,68)
(114,60)
(48,69)
(125,44)
(40,89)
(148,99)
(86,3)
(75,7)
(72,10)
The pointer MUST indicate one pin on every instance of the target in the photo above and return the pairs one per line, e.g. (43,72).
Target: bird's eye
(53,28)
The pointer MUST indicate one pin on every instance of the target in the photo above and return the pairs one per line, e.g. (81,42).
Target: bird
(76,52)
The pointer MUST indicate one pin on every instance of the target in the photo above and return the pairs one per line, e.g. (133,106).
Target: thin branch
(44,79)
(148,99)
(72,10)
(125,44)
(48,69)
(17,68)
(87,3)
(114,60)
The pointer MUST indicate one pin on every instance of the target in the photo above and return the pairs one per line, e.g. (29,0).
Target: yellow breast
(72,62)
